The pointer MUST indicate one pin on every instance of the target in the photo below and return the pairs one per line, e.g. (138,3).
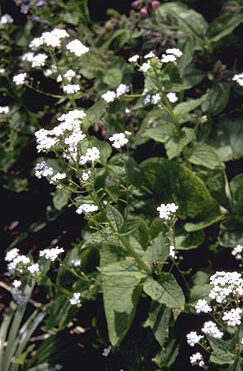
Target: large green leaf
(204,155)
(188,106)
(113,77)
(158,321)
(223,26)
(160,133)
(226,138)
(192,75)
(165,290)
(178,141)
(188,19)
(158,251)
(168,181)
(121,291)
(94,113)
(217,98)
(115,217)
(188,241)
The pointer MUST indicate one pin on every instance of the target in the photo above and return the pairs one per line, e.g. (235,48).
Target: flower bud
(135,4)
(143,12)
(155,4)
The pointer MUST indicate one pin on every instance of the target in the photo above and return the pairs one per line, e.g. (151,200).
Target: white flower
(86,208)
(119,140)
(236,252)
(34,268)
(5,19)
(197,358)
(27,57)
(109,96)
(238,78)
(76,262)
(211,328)
(54,37)
(106,351)
(172,252)
(149,55)
(225,284)
(2,71)
(71,89)
(172,97)
(91,155)
(121,90)
(233,317)
(145,67)
(167,211)
(174,51)
(51,254)
(4,110)
(155,98)
(16,284)
(58,176)
(18,264)
(69,75)
(75,299)
(77,48)
(85,175)
(36,43)
(133,59)
(43,170)
(20,79)
(38,60)
(193,338)
(11,255)
(168,58)
(202,306)
(147,99)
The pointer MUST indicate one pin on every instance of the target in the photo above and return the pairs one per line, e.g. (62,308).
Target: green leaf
(217,98)
(110,253)
(58,312)
(115,217)
(231,233)
(223,351)
(236,186)
(130,226)
(113,77)
(20,360)
(192,75)
(178,141)
(158,251)
(94,113)
(223,25)
(158,321)
(188,49)
(189,20)
(188,241)
(188,106)
(121,291)
(211,219)
(204,155)
(226,138)
(165,290)
(166,357)
(61,198)
(161,133)
(170,181)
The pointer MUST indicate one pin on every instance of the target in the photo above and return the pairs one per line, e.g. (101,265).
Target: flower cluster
(4,110)
(6,19)
(232,317)
(119,139)
(86,208)
(19,264)
(171,55)
(226,284)
(238,78)
(197,359)
(75,299)
(51,254)
(167,211)
(237,251)
(110,95)
(202,306)
(20,79)
(51,39)
(211,329)
(69,131)
(193,338)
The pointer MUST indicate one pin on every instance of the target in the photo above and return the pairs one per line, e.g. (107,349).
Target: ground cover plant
(121,165)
